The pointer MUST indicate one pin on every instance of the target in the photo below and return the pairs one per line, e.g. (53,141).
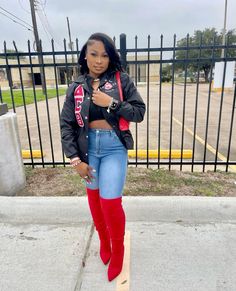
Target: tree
(166,73)
(207,37)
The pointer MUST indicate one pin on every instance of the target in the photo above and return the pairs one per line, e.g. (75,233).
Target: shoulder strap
(119,85)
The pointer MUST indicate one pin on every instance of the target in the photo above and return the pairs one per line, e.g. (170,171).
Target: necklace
(96,80)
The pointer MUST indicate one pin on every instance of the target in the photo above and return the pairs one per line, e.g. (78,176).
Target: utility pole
(224,29)
(224,71)
(38,46)
(34,22)
(71,46)
(68,25)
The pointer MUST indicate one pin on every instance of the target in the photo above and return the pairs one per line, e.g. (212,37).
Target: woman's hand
(101,99)
(85,171)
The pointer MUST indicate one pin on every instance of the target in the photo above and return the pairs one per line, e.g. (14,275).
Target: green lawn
(29,96)
(139,182)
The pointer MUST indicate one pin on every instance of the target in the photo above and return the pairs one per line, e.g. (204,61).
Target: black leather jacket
(75,113)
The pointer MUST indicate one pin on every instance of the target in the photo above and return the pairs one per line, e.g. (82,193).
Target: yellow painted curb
(219,89)
(35,154)
(164,154)
(123,280)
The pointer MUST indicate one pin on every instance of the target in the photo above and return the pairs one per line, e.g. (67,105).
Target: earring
(85,58)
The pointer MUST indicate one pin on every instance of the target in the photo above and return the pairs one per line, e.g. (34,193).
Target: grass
(209,189)
(164,182)
(62,181)
(75,180)
(29,96)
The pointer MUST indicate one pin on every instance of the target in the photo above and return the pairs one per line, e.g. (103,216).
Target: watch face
(114,104)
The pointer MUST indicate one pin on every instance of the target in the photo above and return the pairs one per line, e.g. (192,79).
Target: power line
(44,28)
(45,23)
(16,17)
(15,21)
(43,4)
(39,2)
(23,7)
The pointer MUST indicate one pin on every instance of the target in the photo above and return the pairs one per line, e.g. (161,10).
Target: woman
(95,145)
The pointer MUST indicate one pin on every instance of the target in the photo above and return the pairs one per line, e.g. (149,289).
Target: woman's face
(97,58)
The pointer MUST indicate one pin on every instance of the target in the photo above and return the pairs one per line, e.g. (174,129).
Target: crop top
(95,112)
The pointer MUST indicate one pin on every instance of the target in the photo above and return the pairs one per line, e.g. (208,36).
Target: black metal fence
(189,123)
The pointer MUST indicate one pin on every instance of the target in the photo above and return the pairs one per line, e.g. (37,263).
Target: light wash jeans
(108,156)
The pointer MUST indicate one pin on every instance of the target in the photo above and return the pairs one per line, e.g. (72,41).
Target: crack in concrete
(79,281)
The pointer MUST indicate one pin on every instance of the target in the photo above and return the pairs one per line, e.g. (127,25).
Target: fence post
(123,50)
(12,178)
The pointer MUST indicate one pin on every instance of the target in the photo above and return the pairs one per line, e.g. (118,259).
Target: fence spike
(77,44)
(174,40)
(201,39)
(40,45)
(15,46)
(52,43)
(64,44)
(187,39)
(227,39)
(5,48)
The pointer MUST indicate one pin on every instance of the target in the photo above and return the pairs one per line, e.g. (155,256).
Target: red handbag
(123,123)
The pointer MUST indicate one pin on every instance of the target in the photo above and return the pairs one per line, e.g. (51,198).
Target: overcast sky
(132,17)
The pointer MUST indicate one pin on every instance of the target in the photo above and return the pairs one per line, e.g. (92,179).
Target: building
(61,73)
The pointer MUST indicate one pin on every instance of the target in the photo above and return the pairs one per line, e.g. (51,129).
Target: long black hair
(110,48)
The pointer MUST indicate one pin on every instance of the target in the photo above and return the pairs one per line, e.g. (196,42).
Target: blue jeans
(108,156)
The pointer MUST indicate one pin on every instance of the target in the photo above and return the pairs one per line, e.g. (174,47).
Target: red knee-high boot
(115,220)
(100,224)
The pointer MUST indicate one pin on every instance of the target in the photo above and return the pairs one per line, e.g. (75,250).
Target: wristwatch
(114,103)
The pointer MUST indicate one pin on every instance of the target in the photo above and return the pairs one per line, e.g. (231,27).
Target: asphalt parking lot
(147,131)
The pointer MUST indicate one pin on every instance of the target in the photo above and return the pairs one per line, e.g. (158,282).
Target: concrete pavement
(172,243)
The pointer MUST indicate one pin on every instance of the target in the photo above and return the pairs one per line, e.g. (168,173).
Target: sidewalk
(175,244)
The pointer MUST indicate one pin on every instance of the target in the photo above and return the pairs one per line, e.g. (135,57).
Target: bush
(166,78)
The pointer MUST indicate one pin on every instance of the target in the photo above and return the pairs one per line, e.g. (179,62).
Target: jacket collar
(83,81)
(87,79)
